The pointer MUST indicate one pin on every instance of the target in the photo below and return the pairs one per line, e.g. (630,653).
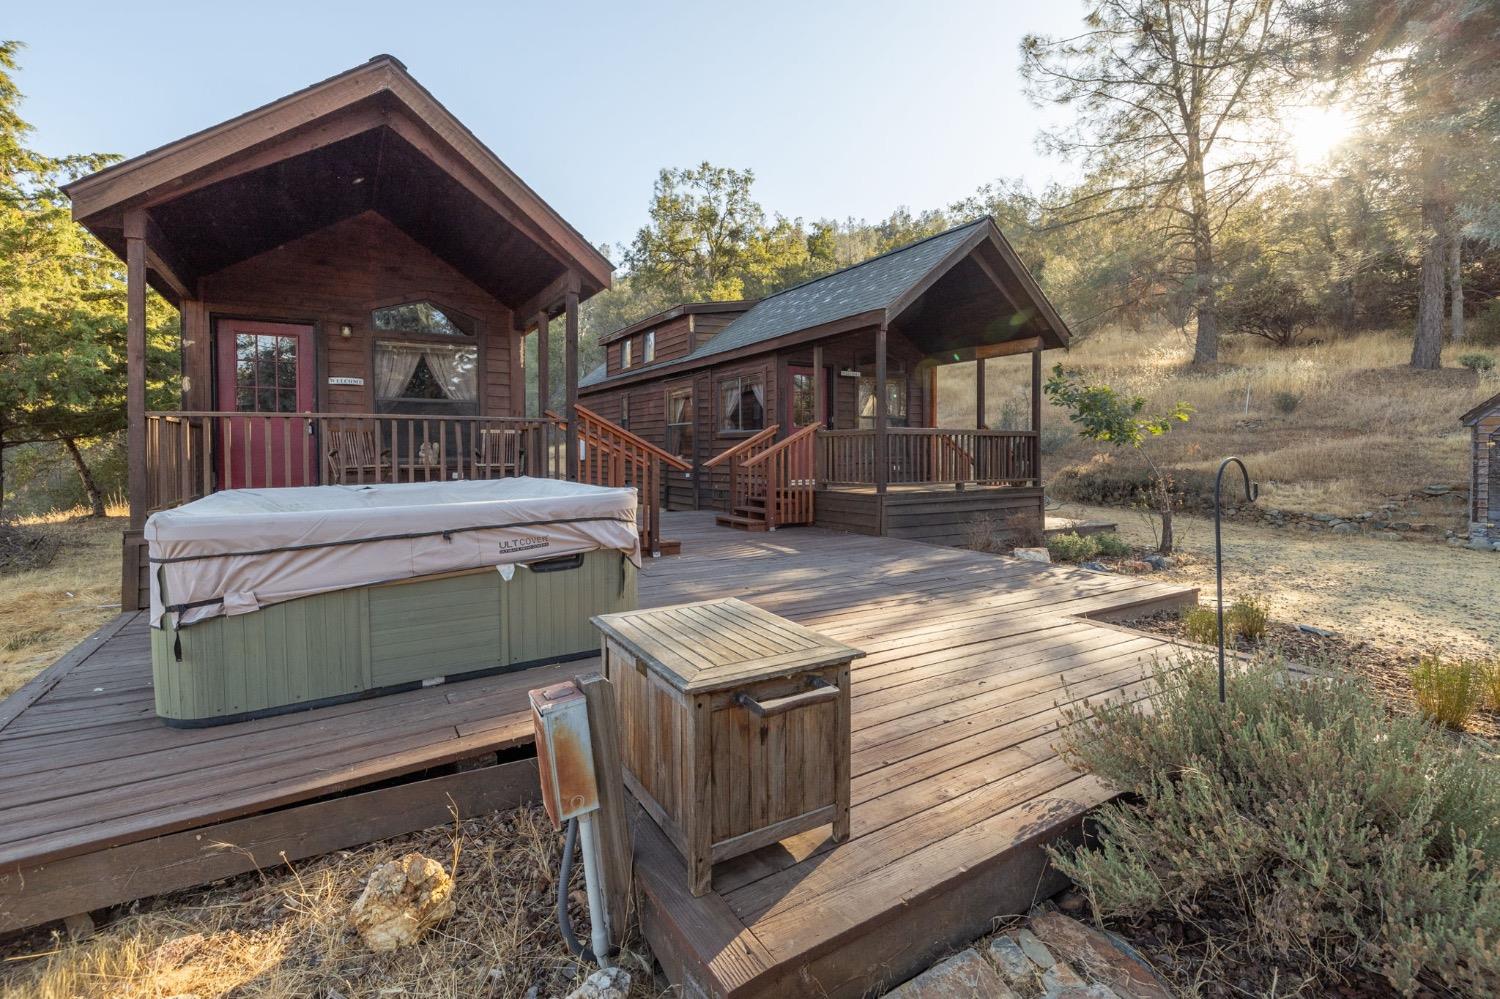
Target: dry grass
(285,934)
(1363,426)
(45,612)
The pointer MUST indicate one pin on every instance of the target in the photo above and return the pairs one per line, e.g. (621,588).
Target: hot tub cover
(235,551)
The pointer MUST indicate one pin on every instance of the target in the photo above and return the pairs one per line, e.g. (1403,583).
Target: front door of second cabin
(800,396)
(265,376)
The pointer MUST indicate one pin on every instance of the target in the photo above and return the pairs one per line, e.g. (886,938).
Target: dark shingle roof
(873,284)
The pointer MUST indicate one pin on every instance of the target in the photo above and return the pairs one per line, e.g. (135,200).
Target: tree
(62,306)
(1175,103)
(1104,415)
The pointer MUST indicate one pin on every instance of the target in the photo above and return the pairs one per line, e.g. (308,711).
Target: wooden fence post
(614,828)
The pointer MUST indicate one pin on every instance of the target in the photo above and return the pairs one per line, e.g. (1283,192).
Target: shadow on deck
(956,785)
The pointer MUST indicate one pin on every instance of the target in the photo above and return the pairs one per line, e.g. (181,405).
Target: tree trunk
(1164,509)
(96,498)
(1427,343)
(1205,298)
(1456,281)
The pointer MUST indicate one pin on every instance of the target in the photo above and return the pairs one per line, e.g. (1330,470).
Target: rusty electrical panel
(565,754)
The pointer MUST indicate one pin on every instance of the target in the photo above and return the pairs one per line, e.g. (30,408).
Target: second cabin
(819,404)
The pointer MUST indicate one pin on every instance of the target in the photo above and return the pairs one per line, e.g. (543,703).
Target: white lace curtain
(394,367)
(453,368)
(454,371)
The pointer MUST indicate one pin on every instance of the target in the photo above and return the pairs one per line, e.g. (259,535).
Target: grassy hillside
(1331,427)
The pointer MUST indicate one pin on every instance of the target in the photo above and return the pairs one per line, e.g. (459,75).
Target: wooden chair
(353,455)
(499,454)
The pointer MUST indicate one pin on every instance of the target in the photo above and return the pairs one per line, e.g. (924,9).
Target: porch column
(1036,415)
(882,417)
(980,423)
(135,364)
(570,377)
(820,390)
(543,372)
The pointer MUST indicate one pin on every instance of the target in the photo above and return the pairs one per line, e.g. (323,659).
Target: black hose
(575,947)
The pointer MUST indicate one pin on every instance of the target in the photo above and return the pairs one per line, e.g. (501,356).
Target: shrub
(1111,545)
(987,534)
(1285,403)
(1448,690)
(1247,617)
(1492,682)
(1299,827)
(1476,362)
(1071,547)
(1055,437)
(1112,482)
(1201,625)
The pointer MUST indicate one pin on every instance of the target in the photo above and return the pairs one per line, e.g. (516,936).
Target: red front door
(266,373)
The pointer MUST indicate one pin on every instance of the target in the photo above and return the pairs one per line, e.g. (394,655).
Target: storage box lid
(720,644)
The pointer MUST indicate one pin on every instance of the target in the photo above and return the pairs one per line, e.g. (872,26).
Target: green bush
(1447,690)
(1492,682)
(1111,545)
(1071,547)
(1285,403)
(1109,481)
(1477,362)
(1201,625)
(1300,827)
(1248,617)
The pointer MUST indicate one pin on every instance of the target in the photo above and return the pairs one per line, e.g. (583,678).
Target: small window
(742,404)
(895,401)
(625,411)
(625,352)
(680,422)
(648,347)
(425,378)
(422,318)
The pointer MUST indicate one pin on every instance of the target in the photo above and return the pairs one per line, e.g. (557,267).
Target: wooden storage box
(734,726)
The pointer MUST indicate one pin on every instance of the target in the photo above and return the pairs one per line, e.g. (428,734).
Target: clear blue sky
(846,108)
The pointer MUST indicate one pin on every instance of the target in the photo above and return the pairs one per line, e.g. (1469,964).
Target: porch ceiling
(963,312)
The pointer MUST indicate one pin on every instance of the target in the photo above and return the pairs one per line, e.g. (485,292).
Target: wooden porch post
(979,421)
(543,367)
(882,417)
(570,377)
(1036,415)
(820,402)
(135,363)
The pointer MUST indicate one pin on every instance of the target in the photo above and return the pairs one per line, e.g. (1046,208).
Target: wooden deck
(955,781)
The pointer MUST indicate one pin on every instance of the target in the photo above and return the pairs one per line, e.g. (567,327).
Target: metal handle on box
(821,691)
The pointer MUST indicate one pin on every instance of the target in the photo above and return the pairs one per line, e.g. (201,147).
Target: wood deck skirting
(969,659)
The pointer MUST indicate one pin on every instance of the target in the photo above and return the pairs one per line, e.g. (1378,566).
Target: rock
(1094,991)
(606,983)
(1324,518)
(401,901)
(1481,545)
(1457,542)
(1400,525)
(1436,489)
(1388,536)
(966,975)
(1032,554)
(1013,962)
(1158,562)
(1033,948)
(1101,955)
(1094,566)
(1061,975)
(1345,528)
(1312,629)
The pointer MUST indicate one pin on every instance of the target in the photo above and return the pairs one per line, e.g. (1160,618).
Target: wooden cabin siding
(673,341)
(337,276)
(1485,486)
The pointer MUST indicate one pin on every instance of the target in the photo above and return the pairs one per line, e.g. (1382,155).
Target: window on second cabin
(680,422)
(648,347)
(625,353)
(742,404)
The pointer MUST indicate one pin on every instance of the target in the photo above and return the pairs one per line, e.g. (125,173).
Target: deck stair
(770,481)
(610,455)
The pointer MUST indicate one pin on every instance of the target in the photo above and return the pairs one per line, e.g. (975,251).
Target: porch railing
(784,473)
(610,455)
(927,455)
(191,454)
(745,488)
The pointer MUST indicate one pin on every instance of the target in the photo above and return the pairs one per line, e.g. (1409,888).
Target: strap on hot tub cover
(242,549)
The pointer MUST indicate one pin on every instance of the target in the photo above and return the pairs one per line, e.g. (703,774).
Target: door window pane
(803,401)
(265,373)
(895,403)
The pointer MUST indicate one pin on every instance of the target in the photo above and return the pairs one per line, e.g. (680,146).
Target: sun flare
(1316,131)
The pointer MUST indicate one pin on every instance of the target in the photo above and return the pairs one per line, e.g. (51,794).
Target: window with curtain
(426,378)
(648,347)
(680,422)
(895,400)
(742,404)
(625,352)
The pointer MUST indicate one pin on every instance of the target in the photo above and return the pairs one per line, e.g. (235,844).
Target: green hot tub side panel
(339,645)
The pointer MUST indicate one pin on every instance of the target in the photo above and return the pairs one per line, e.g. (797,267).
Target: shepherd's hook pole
(1252,490)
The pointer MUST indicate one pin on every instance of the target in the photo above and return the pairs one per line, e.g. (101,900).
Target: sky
(843,108)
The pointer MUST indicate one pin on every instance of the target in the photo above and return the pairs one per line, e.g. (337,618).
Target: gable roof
(369,96)
(879,287)
(1476,414)
(677,312)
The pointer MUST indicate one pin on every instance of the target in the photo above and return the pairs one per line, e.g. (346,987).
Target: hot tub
(272,600)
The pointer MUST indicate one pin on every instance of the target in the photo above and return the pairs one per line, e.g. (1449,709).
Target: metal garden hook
(1252,490)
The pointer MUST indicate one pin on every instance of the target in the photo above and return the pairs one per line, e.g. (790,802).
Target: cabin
(1483,422)
(355,272)
(830,389)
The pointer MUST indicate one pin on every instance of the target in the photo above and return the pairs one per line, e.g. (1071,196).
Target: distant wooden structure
(1483,422)
(356,274)
(956,785)
(819,403)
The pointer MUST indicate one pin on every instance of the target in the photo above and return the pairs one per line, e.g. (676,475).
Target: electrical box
(565,754)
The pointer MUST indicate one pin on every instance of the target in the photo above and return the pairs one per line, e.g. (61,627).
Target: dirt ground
(1410,596)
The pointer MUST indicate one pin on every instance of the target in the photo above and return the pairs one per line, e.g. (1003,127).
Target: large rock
(966,975)
(402,900)
(606,983)
(1032,554)
(1099,955)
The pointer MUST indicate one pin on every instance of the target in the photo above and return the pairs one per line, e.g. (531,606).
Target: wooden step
(745,523)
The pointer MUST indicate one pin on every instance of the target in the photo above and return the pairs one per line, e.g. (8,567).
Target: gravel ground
(1407,596)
